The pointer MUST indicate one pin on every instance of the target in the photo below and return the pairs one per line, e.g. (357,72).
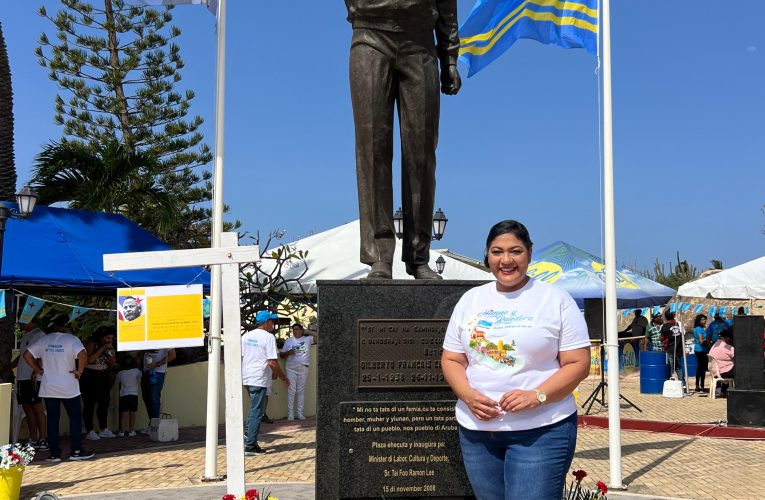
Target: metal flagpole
(612,336)
(213,367)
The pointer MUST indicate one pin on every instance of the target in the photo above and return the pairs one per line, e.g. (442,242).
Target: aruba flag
(493,26)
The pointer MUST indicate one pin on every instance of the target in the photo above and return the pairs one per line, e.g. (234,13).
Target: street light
(440,264)
(26,200)
(439,224)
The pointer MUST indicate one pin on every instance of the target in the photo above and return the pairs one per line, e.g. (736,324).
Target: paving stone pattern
(653,464)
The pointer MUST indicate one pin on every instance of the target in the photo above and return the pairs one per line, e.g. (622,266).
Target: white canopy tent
(334,255)
(746,281)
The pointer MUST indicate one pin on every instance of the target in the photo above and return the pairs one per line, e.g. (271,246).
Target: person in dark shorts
(29,386)
(129,378)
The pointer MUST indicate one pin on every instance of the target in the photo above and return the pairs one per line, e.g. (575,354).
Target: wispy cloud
(751,48)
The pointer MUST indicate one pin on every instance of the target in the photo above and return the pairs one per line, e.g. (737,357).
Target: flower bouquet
(16,455)
(13,459)
(252,494)
(575,491)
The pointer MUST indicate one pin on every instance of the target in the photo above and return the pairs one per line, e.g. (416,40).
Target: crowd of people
(58,369)
(714,340)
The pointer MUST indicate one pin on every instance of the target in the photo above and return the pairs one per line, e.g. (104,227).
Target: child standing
(129,378)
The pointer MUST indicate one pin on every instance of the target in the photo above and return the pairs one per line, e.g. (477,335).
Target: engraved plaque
(395,353)
(393,449)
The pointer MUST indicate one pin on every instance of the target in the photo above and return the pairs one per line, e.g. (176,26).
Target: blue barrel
(654,370)
(690,360)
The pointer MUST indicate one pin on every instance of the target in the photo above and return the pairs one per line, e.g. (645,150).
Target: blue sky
(519,141)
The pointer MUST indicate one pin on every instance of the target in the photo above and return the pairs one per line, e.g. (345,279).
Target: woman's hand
(482,407)
(519,400)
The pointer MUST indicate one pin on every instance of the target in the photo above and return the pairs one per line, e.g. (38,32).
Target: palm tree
(716,264)
(105,178)
(7,163)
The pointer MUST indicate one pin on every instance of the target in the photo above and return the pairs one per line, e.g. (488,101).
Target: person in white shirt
(297,351)
(27,387)
(129,377)
(514,351)
(258,354)
(63,361)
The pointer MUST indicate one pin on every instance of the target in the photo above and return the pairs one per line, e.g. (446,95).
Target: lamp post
(440,264)
(439,224)
(26,200)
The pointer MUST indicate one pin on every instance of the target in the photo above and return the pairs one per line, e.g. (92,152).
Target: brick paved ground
(652,463)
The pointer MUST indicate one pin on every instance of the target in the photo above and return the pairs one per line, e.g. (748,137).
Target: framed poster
(160,317)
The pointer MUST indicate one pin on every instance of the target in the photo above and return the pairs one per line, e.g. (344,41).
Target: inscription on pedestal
(400,449)
(400,354)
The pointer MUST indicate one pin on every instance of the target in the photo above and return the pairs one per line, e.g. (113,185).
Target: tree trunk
(114,60)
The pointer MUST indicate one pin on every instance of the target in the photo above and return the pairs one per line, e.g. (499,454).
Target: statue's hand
(450,80)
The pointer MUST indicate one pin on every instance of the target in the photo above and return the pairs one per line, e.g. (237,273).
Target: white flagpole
(612,336)
(213,367)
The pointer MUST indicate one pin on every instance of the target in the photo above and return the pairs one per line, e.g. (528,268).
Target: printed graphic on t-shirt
(299,348)
(490,346)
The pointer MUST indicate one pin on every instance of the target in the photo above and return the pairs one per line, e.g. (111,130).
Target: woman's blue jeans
(152,393)
(519,464)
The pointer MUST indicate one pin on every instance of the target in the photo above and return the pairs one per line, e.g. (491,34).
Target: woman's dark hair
(697,320)
(103,331)
(298,325)
(669,315)
(507,226)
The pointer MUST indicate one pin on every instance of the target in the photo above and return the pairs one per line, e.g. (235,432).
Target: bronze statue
(393,61)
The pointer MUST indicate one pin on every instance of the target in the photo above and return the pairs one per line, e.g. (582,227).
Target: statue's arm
(448,45)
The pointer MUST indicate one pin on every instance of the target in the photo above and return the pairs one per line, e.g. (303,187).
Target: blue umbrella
(583,276)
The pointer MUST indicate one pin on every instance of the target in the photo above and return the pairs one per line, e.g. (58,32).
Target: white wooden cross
(228,256)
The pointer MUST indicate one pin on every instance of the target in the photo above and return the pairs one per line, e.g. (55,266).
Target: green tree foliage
(681,273)
(716,264)
(106,178)
(7,161)
(263,286)
(120,67)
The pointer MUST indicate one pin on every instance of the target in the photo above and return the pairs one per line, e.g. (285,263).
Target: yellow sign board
(160,317)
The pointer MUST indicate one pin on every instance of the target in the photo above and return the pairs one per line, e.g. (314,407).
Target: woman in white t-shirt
(297,352)
(514,351)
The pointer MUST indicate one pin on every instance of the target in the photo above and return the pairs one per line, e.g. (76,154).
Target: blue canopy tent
(59,250)
(583,276)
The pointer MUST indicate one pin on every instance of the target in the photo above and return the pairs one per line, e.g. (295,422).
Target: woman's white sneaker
(92,436)
(106,433)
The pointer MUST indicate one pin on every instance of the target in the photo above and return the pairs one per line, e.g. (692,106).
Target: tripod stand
(599,393)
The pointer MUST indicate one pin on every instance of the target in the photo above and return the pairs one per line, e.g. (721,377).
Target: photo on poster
(130,307)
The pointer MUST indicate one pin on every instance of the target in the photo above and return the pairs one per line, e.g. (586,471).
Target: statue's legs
(386,67)
(372,95)
(418,114)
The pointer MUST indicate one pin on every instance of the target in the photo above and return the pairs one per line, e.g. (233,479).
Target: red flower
(228,497)
(602,487)
(579,474)
(251,495)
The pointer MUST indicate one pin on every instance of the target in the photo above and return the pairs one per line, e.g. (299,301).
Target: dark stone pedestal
(385,424)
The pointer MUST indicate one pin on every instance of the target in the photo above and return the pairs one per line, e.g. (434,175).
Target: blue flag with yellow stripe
(493,26)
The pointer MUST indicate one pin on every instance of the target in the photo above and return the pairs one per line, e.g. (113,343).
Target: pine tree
(119,67)
(7,162)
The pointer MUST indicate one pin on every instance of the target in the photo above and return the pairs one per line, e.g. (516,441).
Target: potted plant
(15,457)
(252,494)
(575,491)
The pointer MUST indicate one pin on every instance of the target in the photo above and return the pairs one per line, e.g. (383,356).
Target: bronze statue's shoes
(380,271)
(422,272)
